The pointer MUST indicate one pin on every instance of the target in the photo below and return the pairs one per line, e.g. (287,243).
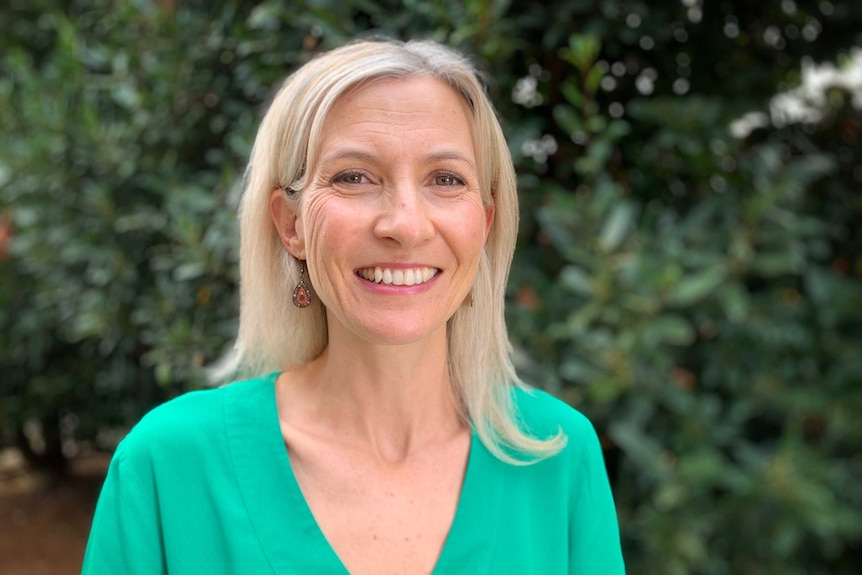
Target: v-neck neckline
(286,528)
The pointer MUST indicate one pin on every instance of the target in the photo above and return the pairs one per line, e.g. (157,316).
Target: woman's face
(392,222)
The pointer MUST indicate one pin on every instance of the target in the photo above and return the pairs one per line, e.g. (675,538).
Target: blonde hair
(276,335)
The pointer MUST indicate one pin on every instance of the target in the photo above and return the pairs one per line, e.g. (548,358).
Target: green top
(203,484)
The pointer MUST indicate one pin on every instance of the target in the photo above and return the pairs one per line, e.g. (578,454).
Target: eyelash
(344,177)
(456,179)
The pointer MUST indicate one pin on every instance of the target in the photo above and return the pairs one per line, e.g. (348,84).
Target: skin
(373,433)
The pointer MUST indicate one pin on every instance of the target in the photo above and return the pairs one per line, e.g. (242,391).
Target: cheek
(317,219)
(471,231)
(331,228)
(481,220)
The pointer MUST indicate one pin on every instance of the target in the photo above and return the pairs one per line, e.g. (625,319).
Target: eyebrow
(450,155)
(356,154)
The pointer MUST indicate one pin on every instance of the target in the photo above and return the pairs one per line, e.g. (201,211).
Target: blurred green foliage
(696,293)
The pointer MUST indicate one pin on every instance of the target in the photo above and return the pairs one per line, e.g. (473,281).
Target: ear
(490,210)
(287,223)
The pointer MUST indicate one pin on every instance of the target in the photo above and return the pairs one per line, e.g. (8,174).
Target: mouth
(398,277)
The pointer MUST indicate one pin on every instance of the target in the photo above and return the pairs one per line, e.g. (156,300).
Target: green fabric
(203,484)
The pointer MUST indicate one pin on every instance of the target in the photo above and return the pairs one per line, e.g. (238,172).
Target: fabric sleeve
(595,537)
(125,538)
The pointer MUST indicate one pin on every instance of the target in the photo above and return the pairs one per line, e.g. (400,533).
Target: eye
(350,177)
(448,179)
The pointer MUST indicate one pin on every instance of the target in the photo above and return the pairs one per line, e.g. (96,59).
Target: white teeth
(398,277)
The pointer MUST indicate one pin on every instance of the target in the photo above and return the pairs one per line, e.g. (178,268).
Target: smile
(398,277)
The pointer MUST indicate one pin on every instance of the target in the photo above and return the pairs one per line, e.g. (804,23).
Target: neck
(390,399)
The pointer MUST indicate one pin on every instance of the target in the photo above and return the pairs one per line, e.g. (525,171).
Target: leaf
(582,51)
(639,446)
(776,264)
(189,271)
(806,169)
(594,78)
(617,226)
(735,302)
(576,279)
(573,94)
(692,289)
(566,116)
(578,370)
(671,329)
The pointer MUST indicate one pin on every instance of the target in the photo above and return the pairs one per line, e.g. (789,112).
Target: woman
(392,436)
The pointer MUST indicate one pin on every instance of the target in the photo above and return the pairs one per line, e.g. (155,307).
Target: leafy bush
(696,293)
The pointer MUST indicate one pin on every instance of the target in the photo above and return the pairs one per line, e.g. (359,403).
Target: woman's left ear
(489,217)
(287,223)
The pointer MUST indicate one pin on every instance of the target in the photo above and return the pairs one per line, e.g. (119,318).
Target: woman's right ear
(287,223)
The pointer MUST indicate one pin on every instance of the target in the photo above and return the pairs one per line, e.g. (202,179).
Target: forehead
(399,107)
(394,91)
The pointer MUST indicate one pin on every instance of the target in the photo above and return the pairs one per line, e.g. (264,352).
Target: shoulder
(544,415)
(192,420)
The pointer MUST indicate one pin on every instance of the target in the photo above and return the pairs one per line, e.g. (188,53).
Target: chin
(402,334)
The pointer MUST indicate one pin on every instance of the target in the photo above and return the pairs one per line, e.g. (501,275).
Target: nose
(405,217)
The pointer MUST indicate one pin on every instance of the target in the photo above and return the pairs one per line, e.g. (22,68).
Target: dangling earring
(301,293)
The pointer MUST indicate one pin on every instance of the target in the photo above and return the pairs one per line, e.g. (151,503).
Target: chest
(382,518)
